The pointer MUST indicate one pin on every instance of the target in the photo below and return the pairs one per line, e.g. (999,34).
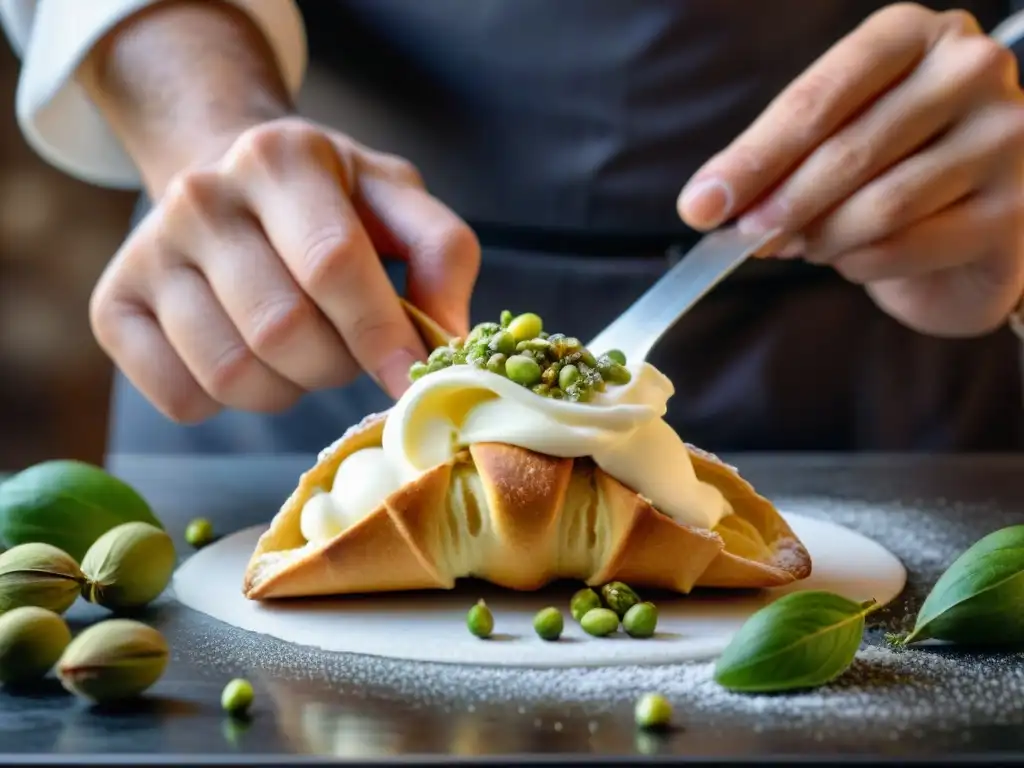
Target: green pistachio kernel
(479,620)
(237,696)
(496,363)
(441,355)
(617,355)
(641,620)
(502,342)
(505,318)
(588,357)
(568,376)
(481,332)
(538,345)
(417,371)
(548,624)
(541,389)
(583,602)
(612,372)
(619,597)
(522,370)
(600,622)
(653,711)
(550,375)
(199,532)
(526,326)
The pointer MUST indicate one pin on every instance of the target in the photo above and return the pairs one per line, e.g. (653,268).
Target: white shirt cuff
(54,112)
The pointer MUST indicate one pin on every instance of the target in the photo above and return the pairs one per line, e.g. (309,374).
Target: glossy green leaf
(979,600)
(68,504)
(802,640)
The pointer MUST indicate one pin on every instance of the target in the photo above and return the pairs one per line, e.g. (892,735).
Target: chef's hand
(898,159)
(258,277)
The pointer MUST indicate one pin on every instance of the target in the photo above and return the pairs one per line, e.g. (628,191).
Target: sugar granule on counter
(888,691)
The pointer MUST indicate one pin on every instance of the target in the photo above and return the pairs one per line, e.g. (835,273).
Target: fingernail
(705,203)
(393,372)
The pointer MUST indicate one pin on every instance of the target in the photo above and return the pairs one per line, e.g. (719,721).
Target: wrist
(178,82)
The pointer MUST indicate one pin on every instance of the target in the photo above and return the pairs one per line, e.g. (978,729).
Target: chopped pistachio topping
(517,347)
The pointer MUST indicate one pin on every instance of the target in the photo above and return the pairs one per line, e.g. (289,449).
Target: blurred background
(56,235)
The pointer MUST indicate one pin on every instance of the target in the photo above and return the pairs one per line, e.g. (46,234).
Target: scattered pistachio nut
(479,620)
(113,660)
(641,620)
(582,602)
(32,639)
(600,622)
(548,624)
(237,696)
(653,711)
(199,532)
(619,597)
(40,575)
(128,566)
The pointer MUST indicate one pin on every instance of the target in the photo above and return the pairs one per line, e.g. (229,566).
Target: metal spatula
(640,327)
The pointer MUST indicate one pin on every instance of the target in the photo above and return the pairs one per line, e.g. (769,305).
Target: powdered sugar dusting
(893,692)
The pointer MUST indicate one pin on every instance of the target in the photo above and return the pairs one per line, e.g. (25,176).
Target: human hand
(898,159)
(257,278)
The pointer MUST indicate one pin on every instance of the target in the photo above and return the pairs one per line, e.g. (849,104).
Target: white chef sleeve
(54,112)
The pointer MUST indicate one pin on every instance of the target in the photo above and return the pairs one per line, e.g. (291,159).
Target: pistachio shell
(128,566)
(39,575)
(114,660)
(31,641)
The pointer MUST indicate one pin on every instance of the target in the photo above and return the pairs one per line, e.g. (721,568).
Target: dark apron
(562,131)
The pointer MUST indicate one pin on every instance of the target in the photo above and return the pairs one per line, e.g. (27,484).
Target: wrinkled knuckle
(102,318)
(456,246)
(811,102)
(850,155)
(957,21)
(401,169)
(902,13)
(261,146)
(372,332)
(982,59)
(192,193)
(231,367)
(276,323)
(891,207)
(328,255)
(306,138)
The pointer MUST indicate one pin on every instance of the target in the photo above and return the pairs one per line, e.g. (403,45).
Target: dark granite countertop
(929,704)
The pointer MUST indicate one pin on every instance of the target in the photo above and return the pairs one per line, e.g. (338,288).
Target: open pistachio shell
(432,333)
(39,575)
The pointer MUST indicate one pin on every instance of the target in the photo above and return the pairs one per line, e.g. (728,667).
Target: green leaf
(979,600)
(802,640)
(68,504)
